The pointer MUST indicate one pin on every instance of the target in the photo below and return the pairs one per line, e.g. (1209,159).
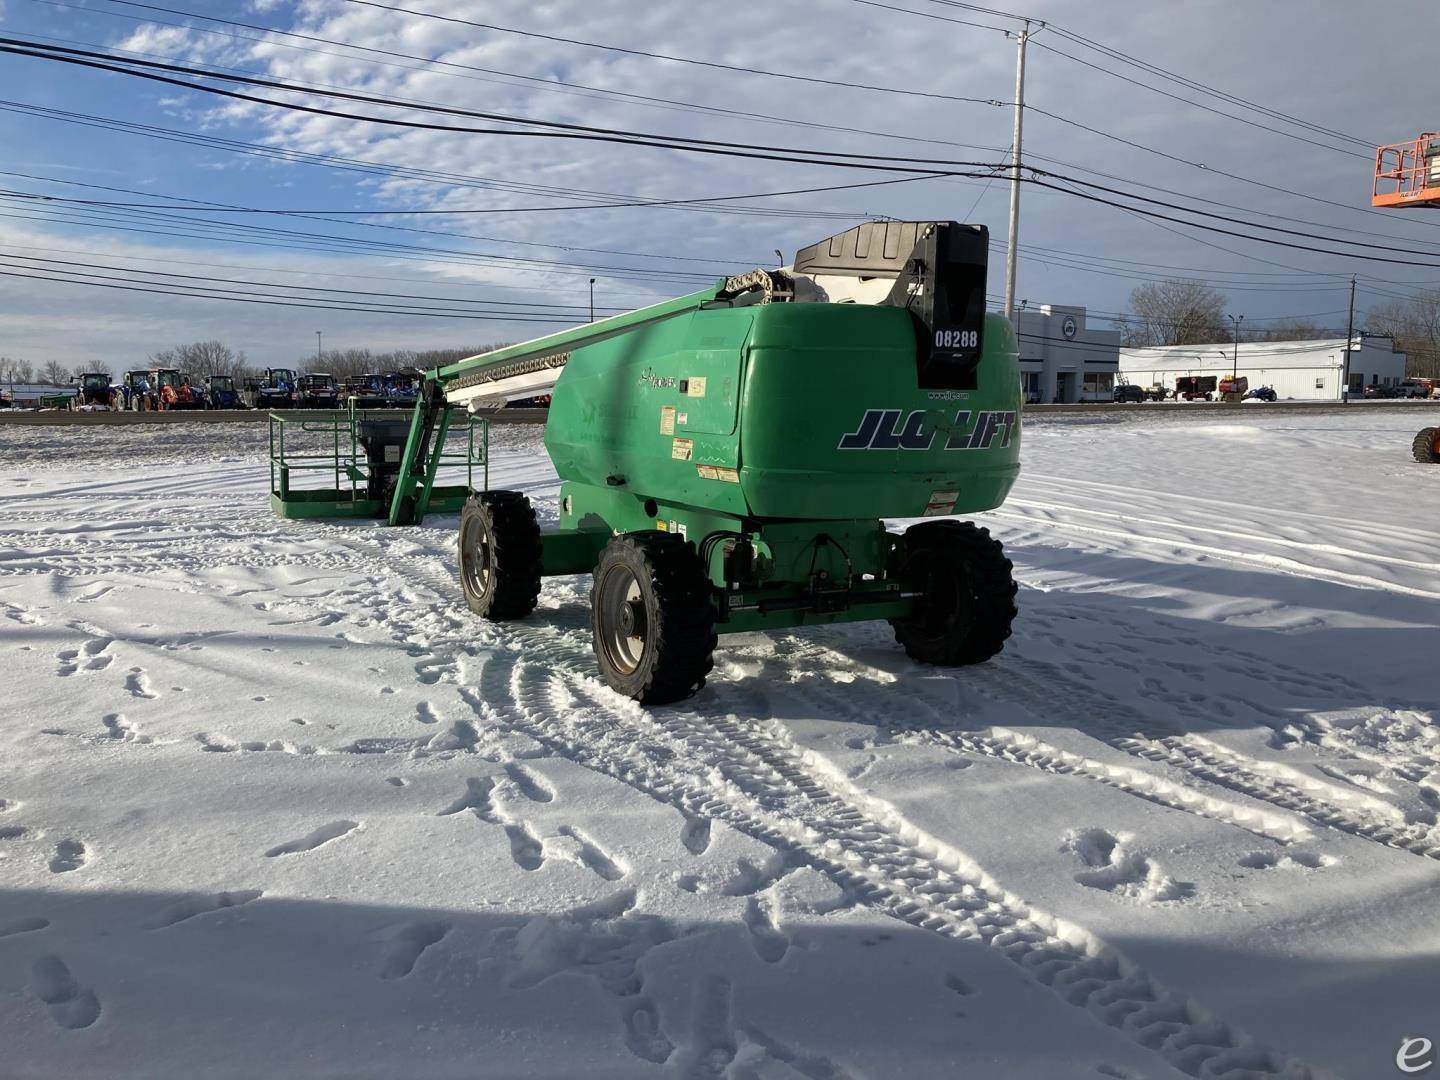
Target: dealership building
(1297,370)
(1061,358)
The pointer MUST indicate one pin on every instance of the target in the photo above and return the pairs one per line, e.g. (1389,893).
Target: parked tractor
(1426,447)
(275,389)
(221,393)
(96,391)
(728,459)
(175,391)
(141,393)
(387,390)
(1233,388)
(318,390)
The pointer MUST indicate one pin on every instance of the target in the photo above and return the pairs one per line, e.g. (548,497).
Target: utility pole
(319,363)
(1349,336)
(592,299)
(1020,41)
(1235,361)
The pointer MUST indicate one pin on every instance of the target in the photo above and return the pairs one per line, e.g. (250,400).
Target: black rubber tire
(1426,447)
(675,600)
(969,602)
(500,555)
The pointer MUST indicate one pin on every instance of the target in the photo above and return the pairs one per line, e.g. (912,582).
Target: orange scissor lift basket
(1408,173)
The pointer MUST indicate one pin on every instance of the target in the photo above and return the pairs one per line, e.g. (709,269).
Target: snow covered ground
(274,804)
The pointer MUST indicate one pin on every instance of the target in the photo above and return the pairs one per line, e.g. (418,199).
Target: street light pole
(319,363)
(1235,362)
(592,299)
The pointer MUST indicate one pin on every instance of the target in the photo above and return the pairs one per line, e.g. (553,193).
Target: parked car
(1129,392)
(1375,390)
(1415,388)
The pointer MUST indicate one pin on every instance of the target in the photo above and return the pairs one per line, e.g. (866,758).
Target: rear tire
(1426,447)
(652,617)
(500,555)
(968,601)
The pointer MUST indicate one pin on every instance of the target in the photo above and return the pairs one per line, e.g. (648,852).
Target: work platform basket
(349,464)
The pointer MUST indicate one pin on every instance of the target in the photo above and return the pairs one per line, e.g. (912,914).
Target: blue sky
(1333,63)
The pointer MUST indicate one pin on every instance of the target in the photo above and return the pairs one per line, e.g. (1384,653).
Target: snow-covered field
(274,804)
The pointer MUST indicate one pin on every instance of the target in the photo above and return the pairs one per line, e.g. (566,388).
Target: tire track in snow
(749,775)
(1291,567)
(1254,538)
(711,764)
(862,703)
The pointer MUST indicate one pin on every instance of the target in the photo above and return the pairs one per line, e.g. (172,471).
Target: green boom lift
(727,459)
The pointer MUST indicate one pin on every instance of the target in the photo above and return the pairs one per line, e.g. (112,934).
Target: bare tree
(14,370)
(1175,312)
(1415,326)
(201,358)
(54,373)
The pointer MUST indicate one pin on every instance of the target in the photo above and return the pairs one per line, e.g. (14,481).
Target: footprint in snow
(1111,867)
(193,906)
(71,1005)
(69,855)
(323,835)
(406,944)
(23,925)
(1292,860)
(138,683)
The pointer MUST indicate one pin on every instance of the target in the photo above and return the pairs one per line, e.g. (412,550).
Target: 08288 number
(957,339)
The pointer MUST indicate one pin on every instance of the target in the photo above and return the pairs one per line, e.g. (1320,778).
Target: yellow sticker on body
(667,420)
(697,386)
(681,449)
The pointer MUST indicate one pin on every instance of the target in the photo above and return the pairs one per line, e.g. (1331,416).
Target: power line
(1154,69)
(290,155)
(845,84)
(108,61)
(545,85)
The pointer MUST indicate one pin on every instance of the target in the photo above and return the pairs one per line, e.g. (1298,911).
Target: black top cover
(939,269)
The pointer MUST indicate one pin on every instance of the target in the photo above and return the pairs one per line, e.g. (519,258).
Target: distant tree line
(1182,311)
(203,358)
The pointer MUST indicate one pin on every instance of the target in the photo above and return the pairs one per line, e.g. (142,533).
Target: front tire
(968,594)
(1426,447)
(500,555)
(652,617)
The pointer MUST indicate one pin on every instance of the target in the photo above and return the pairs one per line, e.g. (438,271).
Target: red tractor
(175,391)
(1426,447)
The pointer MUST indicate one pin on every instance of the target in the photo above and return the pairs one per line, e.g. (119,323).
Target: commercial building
(1062,359)
(1297,370)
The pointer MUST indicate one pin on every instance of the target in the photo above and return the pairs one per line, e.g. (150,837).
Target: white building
(1063,360)
(1298,370)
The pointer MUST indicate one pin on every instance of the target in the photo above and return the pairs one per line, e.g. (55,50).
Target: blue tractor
(221,393)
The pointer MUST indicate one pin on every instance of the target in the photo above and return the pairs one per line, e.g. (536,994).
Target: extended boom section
(728,459)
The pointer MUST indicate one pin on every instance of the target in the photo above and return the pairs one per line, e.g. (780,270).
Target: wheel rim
(475,557)
(624,626)
(948,601)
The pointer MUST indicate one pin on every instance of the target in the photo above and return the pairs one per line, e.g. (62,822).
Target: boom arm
(532,367)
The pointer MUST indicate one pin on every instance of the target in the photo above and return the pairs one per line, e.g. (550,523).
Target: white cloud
(1256,51)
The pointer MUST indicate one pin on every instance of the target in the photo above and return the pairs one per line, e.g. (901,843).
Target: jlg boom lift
(728,459)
